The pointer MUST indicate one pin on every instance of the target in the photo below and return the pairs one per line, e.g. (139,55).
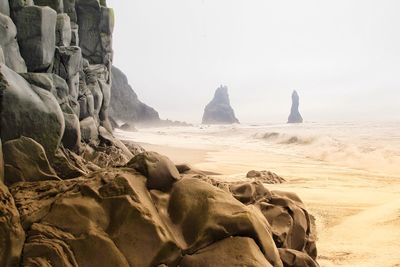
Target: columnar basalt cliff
(71,194)
(295,116)
(219,110)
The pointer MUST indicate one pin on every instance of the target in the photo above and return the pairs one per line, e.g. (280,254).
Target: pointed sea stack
(219,110)
(295,116)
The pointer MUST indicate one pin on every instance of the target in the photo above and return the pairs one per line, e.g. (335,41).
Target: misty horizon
(341,57)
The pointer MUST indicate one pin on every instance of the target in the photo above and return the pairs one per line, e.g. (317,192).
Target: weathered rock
(133,147)
(249,193)
(37,36)
(12,236)
(265,177)
(9,45)
(68,165)
(295,116)
(67,64)
(16,6)
(89,130)
(26,160)
(69,8)
(1,163)
(29,111)
(233,252)
(125,105)
(74,35)
(57,5)
(107,220)
(205,214)
(160,172)
(290,222)
(219,110)
(58,87)
(72,133)
(5,7)
(2,59)
(63,30)
(294,258)
(95,23)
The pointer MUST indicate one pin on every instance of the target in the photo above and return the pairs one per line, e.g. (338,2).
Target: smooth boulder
(160,172)
(9,45)
(30,111)
(232,252)
(26,160)
(205,214)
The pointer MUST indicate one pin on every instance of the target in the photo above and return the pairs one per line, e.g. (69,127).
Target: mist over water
(371,147)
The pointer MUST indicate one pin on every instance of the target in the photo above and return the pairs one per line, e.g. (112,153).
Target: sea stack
(219,110)
(295,116)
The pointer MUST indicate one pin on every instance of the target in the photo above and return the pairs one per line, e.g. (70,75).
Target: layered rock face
(125,104)
(295,116)
(219,110)
(71,194)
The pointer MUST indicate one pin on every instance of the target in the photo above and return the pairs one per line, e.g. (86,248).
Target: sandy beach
(357,210)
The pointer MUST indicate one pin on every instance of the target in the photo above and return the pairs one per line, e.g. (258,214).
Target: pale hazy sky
(342,56)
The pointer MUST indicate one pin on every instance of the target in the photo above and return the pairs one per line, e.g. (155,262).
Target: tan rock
(232,252)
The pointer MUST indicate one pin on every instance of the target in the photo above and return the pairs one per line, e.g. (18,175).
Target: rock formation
(125,105)
(219,110)
(295,116)
(71,194)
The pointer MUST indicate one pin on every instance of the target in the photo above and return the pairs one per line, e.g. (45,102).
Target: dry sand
(357,214)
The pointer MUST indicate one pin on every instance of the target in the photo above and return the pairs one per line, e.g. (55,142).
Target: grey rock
(26,160)
(125,105)
(295,116)
(219,110)
(16,6)
(95,23)
(74,34)
(1,164)
(37,36)
(72,134)
(67,64)
(57,5)
(63,30)
(69,8)
(28,110)
(89,130)
(5,7)
(2,59)
(9,45)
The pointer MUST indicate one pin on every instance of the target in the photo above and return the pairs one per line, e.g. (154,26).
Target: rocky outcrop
(125,105)
(219,110)
(265,177)
(12,236)
(77,196)
(295,116)
(26,160)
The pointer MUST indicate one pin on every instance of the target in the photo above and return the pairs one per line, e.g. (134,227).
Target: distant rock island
(219,110)
(295,116)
